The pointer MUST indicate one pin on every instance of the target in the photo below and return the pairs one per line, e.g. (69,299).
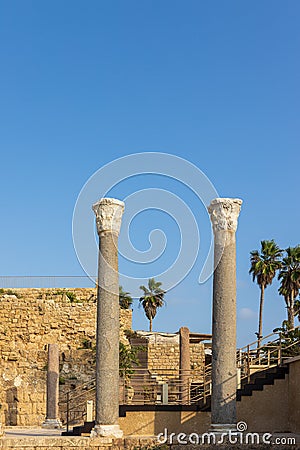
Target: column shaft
(223,404)
(52,414)
(185,364)
(107,357)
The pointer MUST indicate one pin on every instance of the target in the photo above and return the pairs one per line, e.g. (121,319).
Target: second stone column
(108,213)
(224,214)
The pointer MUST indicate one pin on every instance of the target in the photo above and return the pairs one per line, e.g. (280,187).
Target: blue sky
(84,83)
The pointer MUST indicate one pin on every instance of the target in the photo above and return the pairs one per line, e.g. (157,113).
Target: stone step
(260,379)
(80,430)
(264,381)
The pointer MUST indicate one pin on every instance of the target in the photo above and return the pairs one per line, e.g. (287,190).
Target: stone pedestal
(224,213)
(52,414)
(184,364)
(108,218)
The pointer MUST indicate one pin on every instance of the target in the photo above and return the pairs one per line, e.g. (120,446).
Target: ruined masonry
(29,320)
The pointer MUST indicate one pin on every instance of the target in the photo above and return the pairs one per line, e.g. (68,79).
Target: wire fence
(47,281)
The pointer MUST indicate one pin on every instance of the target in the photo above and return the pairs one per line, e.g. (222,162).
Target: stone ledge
(83,443)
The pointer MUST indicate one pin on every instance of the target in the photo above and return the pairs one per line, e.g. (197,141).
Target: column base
(52,424)
(220,428)
(110,431)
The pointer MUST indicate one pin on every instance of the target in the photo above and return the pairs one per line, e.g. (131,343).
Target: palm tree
(264,266)
(152,299)
(297,309)
(290,282)
(125,299)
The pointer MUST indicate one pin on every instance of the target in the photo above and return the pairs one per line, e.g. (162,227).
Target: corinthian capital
(108,213)
(224,213)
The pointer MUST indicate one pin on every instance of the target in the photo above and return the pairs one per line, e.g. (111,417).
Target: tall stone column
(224,214)
(52,414)
(108,213)
(184,364)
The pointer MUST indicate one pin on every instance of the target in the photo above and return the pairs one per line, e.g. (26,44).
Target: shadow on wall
(11,414)
(152,423)
(181,422)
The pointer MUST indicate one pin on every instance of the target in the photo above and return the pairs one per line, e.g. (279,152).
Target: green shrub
(62,380)
(71,296)
(128,359)
(10,292)
(86,343)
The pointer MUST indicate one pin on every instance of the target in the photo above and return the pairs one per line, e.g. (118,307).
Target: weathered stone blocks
(23,347)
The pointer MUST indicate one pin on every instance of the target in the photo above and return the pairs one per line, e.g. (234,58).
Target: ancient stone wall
(163,353)
(29,320)
(197,355)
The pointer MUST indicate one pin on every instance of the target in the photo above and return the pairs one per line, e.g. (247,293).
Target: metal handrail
(271,352)
(254,343)
(69,407)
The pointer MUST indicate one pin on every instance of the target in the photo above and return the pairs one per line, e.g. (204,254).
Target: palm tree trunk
(150,324)
(291,313)
(260,320)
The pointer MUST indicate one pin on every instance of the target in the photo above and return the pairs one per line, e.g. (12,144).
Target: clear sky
(84,83)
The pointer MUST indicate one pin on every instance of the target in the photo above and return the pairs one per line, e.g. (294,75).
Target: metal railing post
(204,385)
(248,363)
(68,410)
(279,349)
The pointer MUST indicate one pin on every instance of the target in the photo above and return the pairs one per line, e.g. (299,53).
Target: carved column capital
(224,213)
(108,213)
